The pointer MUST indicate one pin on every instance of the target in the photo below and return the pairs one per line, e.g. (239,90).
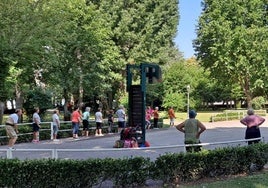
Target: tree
(142,30)
(232,41)
(176,78)
(18,24)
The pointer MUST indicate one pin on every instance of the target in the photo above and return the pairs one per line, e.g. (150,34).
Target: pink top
(252,120)
(148,116)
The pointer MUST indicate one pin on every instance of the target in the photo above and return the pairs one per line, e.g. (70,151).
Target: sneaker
(56,140)
(96,135)
(101,135)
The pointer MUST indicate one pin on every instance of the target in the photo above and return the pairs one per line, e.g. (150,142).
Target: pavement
(162,141)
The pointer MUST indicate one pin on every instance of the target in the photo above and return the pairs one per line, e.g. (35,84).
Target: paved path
(161,141)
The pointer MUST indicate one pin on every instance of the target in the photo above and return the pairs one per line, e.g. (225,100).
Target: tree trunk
(19,101)
(2,108)
(248,94)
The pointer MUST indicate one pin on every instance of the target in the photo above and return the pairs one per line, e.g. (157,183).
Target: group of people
(78,117)
(192,127)
(149,114)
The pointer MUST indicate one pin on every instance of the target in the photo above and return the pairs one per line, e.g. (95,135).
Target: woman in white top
(98,119)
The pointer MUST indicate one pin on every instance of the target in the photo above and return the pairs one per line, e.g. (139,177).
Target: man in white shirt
(121,115)
(12,127)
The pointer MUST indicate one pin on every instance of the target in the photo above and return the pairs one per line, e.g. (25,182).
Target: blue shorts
(55,129)
(121,124)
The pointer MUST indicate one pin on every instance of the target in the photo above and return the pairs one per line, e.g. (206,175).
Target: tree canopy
(232,42)
(80,48)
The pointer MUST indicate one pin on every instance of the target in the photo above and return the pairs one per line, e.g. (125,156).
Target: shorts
(98,125)
(35,127)
(55,129)
(11,133)
(121,124)
(85,124)
(172,120)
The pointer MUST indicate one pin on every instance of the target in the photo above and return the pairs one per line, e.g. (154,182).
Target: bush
(171,168)
(234,115)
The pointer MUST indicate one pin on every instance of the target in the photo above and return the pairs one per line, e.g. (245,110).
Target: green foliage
(134,171)
(258,102)
(214,163)
(154,92)
(177,76)
(177,100)
(142,30)
(232,38)
(37,98)
(234,115)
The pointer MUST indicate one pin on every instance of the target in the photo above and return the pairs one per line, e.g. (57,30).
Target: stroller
(130,137)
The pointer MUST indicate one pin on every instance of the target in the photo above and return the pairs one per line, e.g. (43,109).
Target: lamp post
(188,99)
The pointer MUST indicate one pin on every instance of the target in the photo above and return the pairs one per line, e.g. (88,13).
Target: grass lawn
(201,116)
(259,180)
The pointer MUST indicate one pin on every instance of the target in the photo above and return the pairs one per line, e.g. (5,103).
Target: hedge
(171,168)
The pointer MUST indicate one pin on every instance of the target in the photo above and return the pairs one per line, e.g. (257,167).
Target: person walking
(76,119)
(85,119)
(12,127)
(121,115)
(56,124)
(171,115)
(99,120)
(36,125)
(252,122)
(156,117)
(192,129)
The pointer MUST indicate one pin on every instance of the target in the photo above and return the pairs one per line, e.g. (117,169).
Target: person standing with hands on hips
(192,129)
(36,125)
(252,122)
(12,127)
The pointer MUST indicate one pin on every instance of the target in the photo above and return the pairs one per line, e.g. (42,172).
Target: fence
(228,115)
(55,152)
(50,125)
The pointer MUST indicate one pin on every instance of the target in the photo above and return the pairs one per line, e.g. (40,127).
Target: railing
(234,115)
(91,121)
(55,152)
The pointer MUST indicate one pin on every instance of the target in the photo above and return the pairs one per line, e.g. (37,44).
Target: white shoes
(99,135)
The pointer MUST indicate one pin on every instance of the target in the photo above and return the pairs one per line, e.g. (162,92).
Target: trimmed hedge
(170,168)
(228,115)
